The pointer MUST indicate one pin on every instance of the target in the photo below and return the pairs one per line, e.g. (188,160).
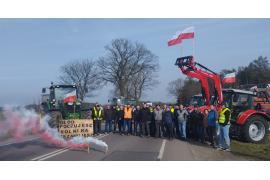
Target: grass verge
(261,151)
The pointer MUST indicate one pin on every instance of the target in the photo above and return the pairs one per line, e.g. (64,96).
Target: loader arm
(195,70)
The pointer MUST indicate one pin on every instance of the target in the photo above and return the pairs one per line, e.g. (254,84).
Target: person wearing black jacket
(108,116)
(168,121)
(119,116)
(176,123)
(200,126)
(196,123)
(145,117)
(137,121)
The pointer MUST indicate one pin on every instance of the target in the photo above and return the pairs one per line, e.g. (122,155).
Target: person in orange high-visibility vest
(127,119)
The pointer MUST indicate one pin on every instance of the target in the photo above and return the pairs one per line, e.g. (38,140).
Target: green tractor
(61,102)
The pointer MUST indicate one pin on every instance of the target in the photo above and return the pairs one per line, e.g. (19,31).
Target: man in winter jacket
(108,116)
(158,121)
(168,121)
(146,118)
(211,128)
(181,116)
(137,121)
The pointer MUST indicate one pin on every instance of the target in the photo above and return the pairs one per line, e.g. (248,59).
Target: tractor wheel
(56,116)
(256,129)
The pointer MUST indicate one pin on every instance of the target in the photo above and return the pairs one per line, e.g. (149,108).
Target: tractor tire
(256,129)
(56,116)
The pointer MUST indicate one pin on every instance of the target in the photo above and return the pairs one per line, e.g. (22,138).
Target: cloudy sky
(32,50)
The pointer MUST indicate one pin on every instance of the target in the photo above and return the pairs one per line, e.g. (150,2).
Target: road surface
(121,148)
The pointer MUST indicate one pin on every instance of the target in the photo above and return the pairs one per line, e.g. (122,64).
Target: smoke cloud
(18,122)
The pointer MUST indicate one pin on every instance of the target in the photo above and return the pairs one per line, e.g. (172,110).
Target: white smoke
(19,122)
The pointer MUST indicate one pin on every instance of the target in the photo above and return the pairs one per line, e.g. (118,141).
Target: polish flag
(70,97)
(187,33)
(229,78)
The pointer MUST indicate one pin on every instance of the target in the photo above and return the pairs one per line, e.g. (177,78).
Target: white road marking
(39,157)
(47,157)
(59,151)
(161,151)
(2,145)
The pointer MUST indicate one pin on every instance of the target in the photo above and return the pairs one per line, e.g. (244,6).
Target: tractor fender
(243,117)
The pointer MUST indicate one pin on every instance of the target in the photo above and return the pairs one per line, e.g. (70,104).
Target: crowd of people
(167,121)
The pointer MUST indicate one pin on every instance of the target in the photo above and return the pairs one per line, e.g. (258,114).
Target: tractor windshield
(240,100)
(62,92)
(237,102)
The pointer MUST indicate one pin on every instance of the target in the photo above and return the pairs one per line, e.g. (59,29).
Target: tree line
(129,66)
(256,72)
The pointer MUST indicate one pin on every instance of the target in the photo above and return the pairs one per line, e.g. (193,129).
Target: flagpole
(193,47)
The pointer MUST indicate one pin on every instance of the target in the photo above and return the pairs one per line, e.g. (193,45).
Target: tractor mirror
(43,90)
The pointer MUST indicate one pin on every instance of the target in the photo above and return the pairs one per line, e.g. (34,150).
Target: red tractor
(250,110)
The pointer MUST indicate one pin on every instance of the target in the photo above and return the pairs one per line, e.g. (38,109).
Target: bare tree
(140,82)
(84,74)
(128,66)
(174,87)
(183,90)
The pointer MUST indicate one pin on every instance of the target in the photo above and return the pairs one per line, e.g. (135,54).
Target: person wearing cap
(224,125)
(97,115)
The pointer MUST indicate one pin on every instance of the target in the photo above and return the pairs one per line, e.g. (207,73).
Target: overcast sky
(32,50)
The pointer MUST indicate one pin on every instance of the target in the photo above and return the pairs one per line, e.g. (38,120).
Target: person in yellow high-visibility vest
(224,126)
(97,115)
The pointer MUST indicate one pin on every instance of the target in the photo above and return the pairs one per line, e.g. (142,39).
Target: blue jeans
(127,123)
(182,129)
(108,126)
(224,138)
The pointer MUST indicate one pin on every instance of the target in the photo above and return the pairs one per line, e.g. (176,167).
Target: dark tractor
(61,102)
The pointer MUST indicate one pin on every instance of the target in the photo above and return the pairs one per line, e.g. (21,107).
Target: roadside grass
(261,151)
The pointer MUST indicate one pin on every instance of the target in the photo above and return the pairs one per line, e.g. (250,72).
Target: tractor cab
(238,101)
(61,99)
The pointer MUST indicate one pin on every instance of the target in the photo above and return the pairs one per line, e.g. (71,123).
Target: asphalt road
(121,148)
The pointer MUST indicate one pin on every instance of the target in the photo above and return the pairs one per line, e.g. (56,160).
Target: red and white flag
(70,97)
(187,33)
(229,78)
